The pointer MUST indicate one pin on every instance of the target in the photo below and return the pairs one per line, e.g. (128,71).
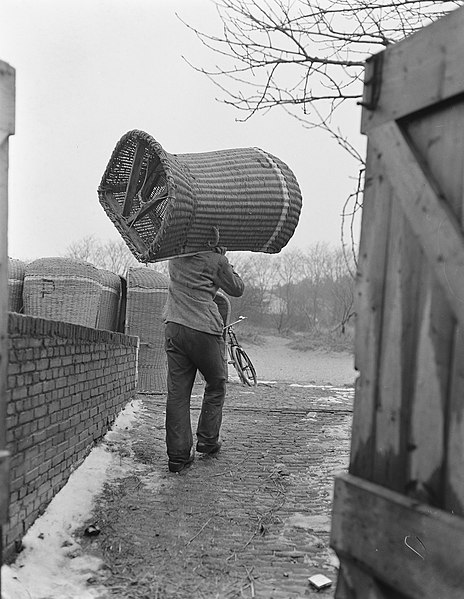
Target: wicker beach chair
(167,205)
(108,310)
(121,326)
(147,292)
(62,289)
(16,272)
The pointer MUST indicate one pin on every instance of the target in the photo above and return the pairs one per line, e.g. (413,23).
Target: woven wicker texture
(121,327)
(16,272)
(170,204)
(62,289)
(147,292)
(108,311)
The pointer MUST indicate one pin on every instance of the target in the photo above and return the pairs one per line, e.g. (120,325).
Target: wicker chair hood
(62,289)
(146,278)
(146,296)
(108,310)
(16,273)
(167,205)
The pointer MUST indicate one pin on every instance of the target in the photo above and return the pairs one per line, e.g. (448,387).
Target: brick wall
(66,385)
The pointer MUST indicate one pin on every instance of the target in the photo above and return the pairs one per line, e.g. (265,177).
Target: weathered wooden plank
(7,123)
(411,547)
(151,180)
(7,99)
(144,210)
(429,399)
(134,176)
(417,72)
(4,485)
(3,285)
(387,445)
(402,311)
(431,219)
(453,487)
(369,307)
(437,138)
(355,583)
(121,223)
(7,115)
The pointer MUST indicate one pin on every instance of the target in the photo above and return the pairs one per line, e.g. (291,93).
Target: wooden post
(7,121)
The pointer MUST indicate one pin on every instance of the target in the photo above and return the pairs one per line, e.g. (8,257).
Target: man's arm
(228,280)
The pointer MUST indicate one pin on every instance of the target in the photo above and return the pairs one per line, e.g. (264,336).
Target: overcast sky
(88,71)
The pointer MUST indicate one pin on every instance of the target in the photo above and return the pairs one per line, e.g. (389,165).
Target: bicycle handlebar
(240,318)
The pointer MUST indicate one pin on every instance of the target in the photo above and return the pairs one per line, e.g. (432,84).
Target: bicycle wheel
(244,367)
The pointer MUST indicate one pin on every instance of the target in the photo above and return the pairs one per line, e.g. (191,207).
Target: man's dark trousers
(188,350)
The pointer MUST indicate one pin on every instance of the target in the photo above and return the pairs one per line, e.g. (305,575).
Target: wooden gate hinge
(373,81)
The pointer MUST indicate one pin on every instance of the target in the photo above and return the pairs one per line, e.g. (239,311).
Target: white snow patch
(319,522)
(331,387)
(52,565)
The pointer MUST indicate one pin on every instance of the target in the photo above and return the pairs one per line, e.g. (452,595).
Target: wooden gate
(398,516)
(7,121)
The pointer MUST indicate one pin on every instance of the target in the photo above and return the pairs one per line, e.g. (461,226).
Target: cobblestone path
(254,521)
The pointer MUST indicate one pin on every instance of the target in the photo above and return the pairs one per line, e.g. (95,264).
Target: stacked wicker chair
(16,272)
(108,311)
(146,297)
(62,289)
(167,205)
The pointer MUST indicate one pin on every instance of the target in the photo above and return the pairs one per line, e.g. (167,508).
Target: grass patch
(247,334)
(323,341)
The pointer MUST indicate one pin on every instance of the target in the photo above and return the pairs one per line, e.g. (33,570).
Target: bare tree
(110,255)
(341,284)
(257,273)
(288,270)
(307,57)
(315,268)
(113,255)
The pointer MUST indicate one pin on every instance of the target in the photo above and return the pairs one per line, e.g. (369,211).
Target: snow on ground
(52,564)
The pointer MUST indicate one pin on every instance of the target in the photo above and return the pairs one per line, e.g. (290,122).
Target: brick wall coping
(20,324)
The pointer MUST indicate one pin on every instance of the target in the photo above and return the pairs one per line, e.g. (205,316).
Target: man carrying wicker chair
(194,341)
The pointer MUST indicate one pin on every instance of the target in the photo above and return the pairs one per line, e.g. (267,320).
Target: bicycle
(239,358)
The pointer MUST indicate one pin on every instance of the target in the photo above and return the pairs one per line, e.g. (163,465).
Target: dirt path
(275,361)
(253,521)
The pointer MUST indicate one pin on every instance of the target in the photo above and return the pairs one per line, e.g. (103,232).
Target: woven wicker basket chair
(108,310)
(147,292)
(167,205)
(121,326)
(16,272)
(62,289)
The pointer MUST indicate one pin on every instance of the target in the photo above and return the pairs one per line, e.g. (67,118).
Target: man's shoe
(209,449)
(179,466)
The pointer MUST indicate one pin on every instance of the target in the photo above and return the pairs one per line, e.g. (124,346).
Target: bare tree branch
(300,54)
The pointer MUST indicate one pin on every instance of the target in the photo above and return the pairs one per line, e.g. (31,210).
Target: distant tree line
(295,290)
